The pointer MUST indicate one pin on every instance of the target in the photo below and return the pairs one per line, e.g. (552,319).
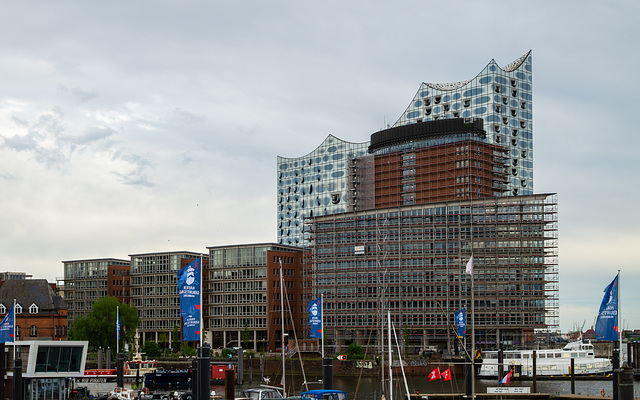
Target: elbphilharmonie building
(321,182)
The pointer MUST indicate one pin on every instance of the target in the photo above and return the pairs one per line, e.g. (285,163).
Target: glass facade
(411,261)
(318,184)
(314,185)
(502,97)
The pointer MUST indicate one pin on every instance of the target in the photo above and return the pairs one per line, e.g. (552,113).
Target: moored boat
(549,362)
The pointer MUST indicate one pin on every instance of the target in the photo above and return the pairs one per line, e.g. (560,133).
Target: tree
(354,352)
(175,338)
(99,326)
(151,349)
(246,336)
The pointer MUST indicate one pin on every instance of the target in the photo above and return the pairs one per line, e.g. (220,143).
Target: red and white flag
(446,375)
(435,374)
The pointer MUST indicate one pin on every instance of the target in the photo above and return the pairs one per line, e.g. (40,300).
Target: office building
(244,292)
(410,260)
(154,291)
(85,281)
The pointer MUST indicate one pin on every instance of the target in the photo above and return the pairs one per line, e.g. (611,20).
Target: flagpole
(117,329)
(14,331)
(284,375)
(322,323)
(620,327)
(201,305)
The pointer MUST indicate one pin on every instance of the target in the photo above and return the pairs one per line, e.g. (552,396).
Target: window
(3,309)
(18,309)
(33,309)
(18,331)
(33,331)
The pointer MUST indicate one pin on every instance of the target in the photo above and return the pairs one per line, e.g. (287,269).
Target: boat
(120,393)
(168,380)
(260,394)
(324,394)
(549,362)
(138,366)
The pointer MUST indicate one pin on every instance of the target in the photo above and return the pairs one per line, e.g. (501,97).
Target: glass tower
(502,97)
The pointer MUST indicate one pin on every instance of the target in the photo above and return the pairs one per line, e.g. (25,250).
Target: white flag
(469,269)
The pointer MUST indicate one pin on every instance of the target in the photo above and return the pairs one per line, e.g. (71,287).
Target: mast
(390,359)
(201,305)
(620,328)
(284,375)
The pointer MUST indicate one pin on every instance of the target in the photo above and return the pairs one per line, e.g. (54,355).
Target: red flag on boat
(435,374)
(446,375)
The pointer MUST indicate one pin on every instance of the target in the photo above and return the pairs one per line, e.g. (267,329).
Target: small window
(496,128)
(18,309)
(497,88)
(514,93)
(514,132)
(505,100)
(456,114)
(3,309)
(505,120)
(33,331)
(513,112)
(523,105)
(498,108)
(467,102)
(427,111)
(427,102)
(33,309)
(513,83)
(18,331)
(437,99)
(523,124)
(446,107)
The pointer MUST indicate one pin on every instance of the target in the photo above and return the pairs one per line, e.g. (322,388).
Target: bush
(151,349)
(354,352)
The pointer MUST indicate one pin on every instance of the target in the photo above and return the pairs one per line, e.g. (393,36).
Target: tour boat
(549,362)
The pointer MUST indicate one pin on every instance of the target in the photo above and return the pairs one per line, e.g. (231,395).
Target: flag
(191,328)
(461,322)
(469,269)
(118,323)
(435,374)
(189,288)
(446,375)
(507,378)
(7,326)
(315,317)
(607,322)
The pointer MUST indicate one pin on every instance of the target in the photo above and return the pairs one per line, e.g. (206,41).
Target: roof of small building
(31,291)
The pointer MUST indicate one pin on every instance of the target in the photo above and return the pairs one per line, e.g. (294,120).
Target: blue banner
(191,328)
(607,323)
(189,288)
(7,326)
(461,322)
(118,323)
(315,318)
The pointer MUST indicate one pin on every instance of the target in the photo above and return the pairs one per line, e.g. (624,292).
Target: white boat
(119,393)
(552,362)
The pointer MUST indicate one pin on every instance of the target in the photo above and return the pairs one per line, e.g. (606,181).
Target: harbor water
(369,388)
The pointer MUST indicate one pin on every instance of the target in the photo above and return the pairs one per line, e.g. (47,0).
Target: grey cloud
(79,94)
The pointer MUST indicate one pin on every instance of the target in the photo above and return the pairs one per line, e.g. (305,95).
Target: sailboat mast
(390,359)
(284,375)
(620,328)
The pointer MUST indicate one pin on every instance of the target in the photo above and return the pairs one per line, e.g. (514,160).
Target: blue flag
(607,323)
(189,288)
(191,327)
(461,322)
(118,323)
(7,326)
(315,317)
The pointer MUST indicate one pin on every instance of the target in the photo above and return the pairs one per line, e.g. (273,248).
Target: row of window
(33,309)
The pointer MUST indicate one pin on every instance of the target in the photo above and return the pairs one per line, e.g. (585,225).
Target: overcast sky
(145,126)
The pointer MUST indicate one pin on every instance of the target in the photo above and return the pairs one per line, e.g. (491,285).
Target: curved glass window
(472,92)
(413,114)
(481,110)
(484,80)
(482,99)
(501,80)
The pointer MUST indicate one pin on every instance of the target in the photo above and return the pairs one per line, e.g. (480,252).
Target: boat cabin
(324,394)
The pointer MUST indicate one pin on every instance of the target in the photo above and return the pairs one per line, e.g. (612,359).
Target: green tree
(99,326)
(163,341)
(246,336)
(175,338)
(151,349)
(354,352)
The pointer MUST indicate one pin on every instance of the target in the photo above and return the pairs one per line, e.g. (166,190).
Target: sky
(131,127)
